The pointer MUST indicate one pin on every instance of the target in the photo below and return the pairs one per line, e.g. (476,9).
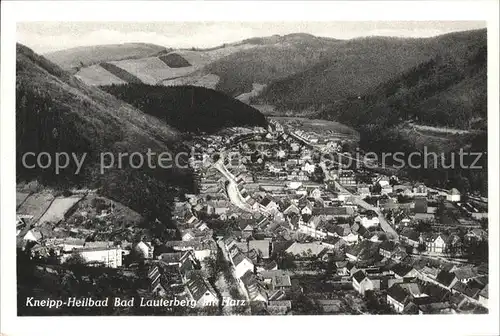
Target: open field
(97,75)
(152,70)
(438,142)
(89,55)
(256,89)
(36,205)
(439,130)
(317,125)
(20,198)
(208,81)
(186,68)
(58,209)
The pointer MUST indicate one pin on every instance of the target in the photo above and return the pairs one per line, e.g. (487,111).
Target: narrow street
(232,187)
(384,224)
(242,291)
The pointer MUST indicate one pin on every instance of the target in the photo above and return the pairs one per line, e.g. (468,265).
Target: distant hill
(76,58)
(143,63)
(355,67)
(231,68)
(449,89)
(447,92)
(56,112)
(189,108)
(275,58)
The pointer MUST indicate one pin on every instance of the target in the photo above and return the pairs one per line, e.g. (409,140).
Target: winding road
(232,187)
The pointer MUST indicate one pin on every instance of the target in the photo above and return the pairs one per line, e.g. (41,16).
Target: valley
(280,197)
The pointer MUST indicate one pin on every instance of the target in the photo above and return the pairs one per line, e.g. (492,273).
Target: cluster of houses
(287,213)
(418,288)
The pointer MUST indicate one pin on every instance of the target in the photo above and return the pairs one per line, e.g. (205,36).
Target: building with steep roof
(201,291)
(453,195)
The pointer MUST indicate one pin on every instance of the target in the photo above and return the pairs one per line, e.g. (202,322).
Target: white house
(361,283)
(315,193)
(242,264)
(307,209)
(368,221)
(435,243)
(308,167)
(108,256)
(384,181)
(453,195)
(201,292)
(145,249)
(32,235)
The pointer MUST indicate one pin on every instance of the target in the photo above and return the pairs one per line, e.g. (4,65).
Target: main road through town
(232,186)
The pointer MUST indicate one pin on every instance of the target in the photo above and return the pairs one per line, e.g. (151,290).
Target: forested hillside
(189,108)
(444,91)
(382,69)
(55,112)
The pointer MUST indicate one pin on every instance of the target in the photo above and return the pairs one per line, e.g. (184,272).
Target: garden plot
(97,75)
(58,209)
(36,205)
(20,198)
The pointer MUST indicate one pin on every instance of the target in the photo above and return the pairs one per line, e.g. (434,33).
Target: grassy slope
(71,58)
(189,108)
(55,112)
(149,68)
(275,58)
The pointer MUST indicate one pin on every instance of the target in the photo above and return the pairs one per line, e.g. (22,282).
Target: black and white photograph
(217,168)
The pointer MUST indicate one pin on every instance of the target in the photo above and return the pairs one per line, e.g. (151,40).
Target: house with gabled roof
(387,248)
(470,292)
(434,242)
(246,226)
(277,279)
(410,237)
(242,264)
(268,205)
(483,297)
(429,272)
(313,249)
(476,235)
(254,289)
(453,195)
(362,283)
(307,209)
(201,291)
(292,208)
(446,279)
(436,308)
(465,274)
(201,248)
(398,298)
(403,271)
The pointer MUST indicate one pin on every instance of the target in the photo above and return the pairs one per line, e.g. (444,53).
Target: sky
(45,37)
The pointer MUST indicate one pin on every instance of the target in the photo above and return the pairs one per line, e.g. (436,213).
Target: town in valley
(285,197)
(274,231)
